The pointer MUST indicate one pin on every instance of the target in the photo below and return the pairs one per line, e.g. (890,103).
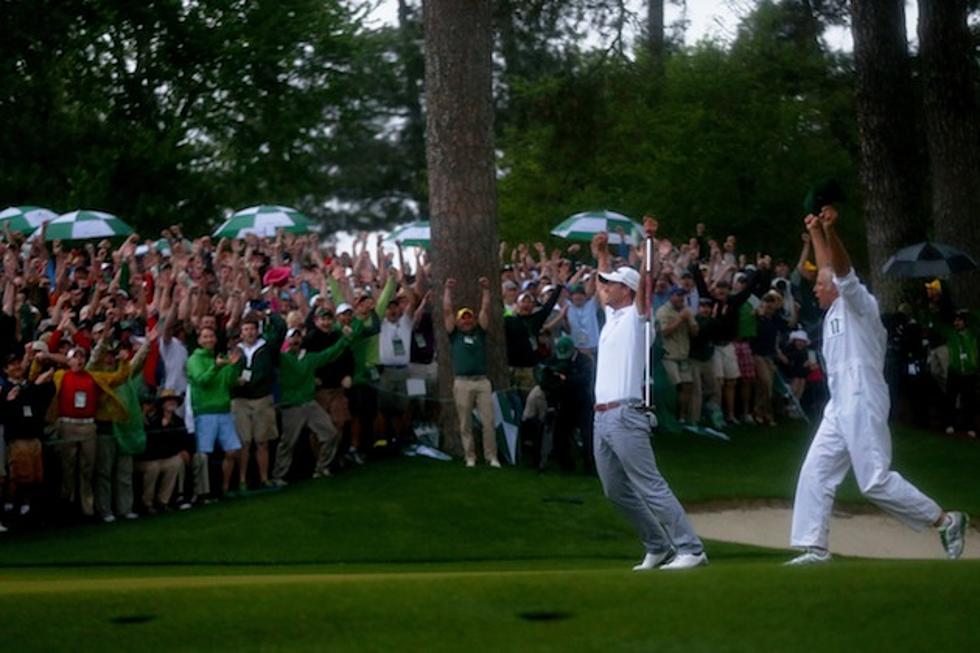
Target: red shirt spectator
(78,396)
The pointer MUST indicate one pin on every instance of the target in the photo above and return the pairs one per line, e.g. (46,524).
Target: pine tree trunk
(892,165)
(462,176)
(655,32)
(949,78)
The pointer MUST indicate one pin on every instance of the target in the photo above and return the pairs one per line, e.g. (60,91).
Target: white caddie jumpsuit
(854,430)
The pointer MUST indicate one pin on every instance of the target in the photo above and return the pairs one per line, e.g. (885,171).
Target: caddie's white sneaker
(652,561)
(686,561)
(810,557)
(953,534)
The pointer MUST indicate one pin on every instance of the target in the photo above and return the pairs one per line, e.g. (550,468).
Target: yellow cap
(809,267)
(463,311)
(934,285)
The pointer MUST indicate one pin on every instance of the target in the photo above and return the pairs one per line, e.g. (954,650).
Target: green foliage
(728,136)
(170,111)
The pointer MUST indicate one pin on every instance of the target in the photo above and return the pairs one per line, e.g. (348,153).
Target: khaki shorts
(334,401)
(255,419)
(725,362)
(393,397)
(678,371)
(26,462)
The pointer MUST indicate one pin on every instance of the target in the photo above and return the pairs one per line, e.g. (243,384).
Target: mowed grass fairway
(413,554)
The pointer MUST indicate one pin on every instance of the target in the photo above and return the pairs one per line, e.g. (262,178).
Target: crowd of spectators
(158,376)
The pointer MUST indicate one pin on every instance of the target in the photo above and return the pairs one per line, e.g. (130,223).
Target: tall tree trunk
(655,32)
(891,164)
(949,77)
(414,79)
(462,175)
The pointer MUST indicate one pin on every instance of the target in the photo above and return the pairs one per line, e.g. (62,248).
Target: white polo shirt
(395,343)
(619,362)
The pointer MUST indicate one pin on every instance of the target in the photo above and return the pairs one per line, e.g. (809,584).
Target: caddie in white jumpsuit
(854,430)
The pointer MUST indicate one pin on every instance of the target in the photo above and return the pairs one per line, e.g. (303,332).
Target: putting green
(406,555)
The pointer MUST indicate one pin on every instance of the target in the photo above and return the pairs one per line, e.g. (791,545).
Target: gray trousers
(312,416)
(113,477)
(631,480)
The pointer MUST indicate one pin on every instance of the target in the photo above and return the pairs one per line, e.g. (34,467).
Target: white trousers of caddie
(854,434)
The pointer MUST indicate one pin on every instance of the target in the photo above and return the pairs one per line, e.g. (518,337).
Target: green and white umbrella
(84,225)
(413,234)
(264,220)
(583,226)
(25,219)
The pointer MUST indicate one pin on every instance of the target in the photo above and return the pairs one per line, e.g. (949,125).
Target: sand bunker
(855,533)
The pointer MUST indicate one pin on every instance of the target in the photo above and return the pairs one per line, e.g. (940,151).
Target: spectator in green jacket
(210,379)
(297,374)
(961,381)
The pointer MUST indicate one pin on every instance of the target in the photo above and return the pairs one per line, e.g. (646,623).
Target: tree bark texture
(892,166)
(462,176)
(949,76)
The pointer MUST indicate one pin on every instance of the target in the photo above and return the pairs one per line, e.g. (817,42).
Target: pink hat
(277,276)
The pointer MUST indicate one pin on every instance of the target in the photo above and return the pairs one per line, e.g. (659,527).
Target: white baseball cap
(624,275)
(343,308)
(799,334)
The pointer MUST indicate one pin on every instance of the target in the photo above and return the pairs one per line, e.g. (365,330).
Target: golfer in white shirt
(623,453)
(854,430)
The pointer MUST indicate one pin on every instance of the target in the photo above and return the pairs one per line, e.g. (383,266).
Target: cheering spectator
(394,354)
(795,364)
(676,324)
(334,380)
(299,408)
(210,380)
(22,408)
(471,386)
(704,387)
(166,454)
(770,325)
(961,382)
(521,331)
(81,397)
(564,386)
(252,405)
(583,317)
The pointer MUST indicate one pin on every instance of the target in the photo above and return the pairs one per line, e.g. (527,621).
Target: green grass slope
(413,554)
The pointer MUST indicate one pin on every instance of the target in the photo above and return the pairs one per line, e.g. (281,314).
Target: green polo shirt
(469,352)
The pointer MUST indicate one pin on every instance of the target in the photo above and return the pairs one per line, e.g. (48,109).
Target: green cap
(822,193)
(564,348)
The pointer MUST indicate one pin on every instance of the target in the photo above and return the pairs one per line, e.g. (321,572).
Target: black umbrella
(928,260)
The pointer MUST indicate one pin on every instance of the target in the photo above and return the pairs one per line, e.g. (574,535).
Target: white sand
(865,535)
